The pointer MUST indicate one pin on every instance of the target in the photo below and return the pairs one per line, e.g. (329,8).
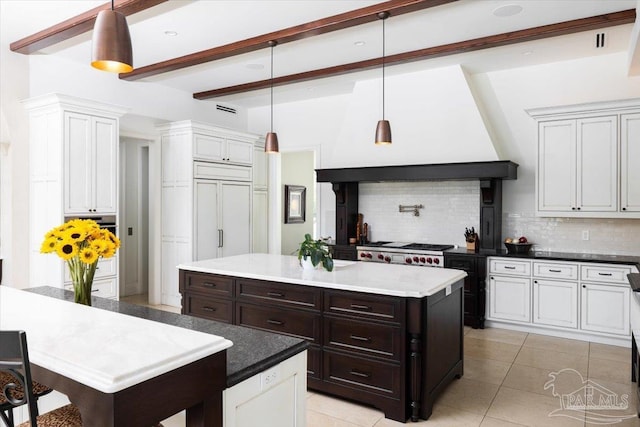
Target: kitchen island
(382,335)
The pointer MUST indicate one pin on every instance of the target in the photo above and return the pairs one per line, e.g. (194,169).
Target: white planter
(307,264)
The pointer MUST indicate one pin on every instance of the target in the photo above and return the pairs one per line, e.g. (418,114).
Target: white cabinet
(585,160)
(222,149)
(510,298)
(91,166)
(73,159)
(629,155)
(273,398)
(260,168)
(555,303)
(605,308)
(260,199)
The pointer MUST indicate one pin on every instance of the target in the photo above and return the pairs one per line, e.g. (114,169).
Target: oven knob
(415,259)
(380,256)
(369,256)
(429,261)
(423,259)
(387,259)
(363,255)
(436,261)
(408,260)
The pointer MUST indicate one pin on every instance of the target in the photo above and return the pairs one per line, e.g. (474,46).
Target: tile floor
(505,373)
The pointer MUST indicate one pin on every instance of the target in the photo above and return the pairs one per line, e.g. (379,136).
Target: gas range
(420,254)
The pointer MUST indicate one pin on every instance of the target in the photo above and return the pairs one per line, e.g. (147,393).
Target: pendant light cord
(112,8)
(272,88)
(383,56)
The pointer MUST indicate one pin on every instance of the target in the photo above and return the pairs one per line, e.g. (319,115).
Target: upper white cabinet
(222,149)
(584,160)
(91,166)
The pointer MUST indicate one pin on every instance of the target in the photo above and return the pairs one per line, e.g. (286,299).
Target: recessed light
(507,10)
(171,33)
(255,66)
(360,43)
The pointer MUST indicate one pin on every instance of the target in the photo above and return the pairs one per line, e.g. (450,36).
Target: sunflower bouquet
(81,243)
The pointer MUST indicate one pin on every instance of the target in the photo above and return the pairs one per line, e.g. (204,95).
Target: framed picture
(294,203)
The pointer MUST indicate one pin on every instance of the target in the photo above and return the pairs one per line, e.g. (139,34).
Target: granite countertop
(369,277)
(252,352)
(634,282)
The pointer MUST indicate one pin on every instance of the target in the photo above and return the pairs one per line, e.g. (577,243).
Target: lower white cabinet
(275,397)
(555,303)
(605,308)
(510,298)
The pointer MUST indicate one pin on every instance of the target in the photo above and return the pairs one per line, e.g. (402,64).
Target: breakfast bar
(378,334)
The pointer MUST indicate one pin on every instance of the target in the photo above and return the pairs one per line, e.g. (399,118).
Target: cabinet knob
(535,281)
(584,286)
(578,207)
(624,209)
(573,208)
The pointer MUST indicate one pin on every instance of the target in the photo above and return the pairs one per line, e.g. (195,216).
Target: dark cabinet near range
(345,252)
(474,285)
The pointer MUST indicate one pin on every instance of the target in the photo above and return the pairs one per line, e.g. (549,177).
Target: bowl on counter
(518,248)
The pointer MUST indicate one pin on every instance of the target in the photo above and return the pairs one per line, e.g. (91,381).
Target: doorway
(133,228)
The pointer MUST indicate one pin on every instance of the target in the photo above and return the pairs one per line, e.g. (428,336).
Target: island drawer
(209,308)
(367,306)
(363,337)
(555,270)
(369,375)
(300,324)
(259,291)
(604,273)
(509,266)
(314,358)
(210,284)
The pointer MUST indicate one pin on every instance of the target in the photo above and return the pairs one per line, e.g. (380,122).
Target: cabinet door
(555,303)
(260,169)
(78,164)
(239,152)
(207,147)
(206,234)
(260,222)
(629,155)
(509,298)
(105,170)
(556,165)
(235,218)
(605,308)
(597,164)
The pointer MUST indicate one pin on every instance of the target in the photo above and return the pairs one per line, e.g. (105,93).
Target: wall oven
(104,221)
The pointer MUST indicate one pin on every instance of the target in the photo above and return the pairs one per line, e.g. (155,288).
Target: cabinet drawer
(364,305)
(371,376)
(220,286)
(219,171)
(209,308)
(105,288)
(368,338)
(508,266)
(555,271)
(300,324)
(604,273)
(106,267)
(279,293)
(314,362)
(465,263)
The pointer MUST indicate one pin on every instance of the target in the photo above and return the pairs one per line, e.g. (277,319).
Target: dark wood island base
(394,353)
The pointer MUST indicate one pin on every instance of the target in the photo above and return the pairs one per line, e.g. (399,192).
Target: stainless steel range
(420,254)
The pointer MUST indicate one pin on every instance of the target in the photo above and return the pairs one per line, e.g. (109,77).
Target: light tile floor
(505,373)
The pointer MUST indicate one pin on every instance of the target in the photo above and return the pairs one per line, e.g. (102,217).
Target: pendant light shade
(271,142)
(383,130)
(111,49)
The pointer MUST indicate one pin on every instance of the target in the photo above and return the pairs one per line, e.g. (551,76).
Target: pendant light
(111,50)
(271,142)
(383,130)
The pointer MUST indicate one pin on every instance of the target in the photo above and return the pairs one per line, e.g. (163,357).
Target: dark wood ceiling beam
(504,39)
(77,25)
(298,32)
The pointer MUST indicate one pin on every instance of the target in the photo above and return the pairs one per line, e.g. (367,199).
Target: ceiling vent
(226,109)
(600,40)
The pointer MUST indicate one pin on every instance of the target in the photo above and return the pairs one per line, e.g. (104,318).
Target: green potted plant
(315,251)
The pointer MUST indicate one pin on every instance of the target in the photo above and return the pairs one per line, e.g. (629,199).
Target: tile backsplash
(450,206)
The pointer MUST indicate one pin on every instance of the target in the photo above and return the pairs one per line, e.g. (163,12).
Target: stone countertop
(252,351)
(369,277)
(634,281)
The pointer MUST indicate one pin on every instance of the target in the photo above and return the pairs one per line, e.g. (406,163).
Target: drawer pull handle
(275,294)
(207,308)
(275,322)
(509,267)
(360,374)
(551,270)
(357,338)
(95,290)
(209,285)
(604,274)
(360,307)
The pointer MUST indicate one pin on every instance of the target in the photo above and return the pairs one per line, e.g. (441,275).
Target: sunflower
(66,249)
(88,256)
(75,234)
(109,251)
(99,246)
(49,245)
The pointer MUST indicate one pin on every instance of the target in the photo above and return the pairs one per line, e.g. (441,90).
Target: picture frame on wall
(294,204)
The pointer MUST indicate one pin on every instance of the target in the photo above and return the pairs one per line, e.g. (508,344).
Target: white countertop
(104,350)
(376,278)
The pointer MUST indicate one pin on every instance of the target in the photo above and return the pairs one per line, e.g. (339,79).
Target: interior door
(236,218)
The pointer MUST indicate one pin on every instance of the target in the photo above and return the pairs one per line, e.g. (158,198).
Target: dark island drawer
(372,376)
(314,358)
(209,308)
(258,291)
(210,284)
(300,324)
(360,336)
(364,305)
